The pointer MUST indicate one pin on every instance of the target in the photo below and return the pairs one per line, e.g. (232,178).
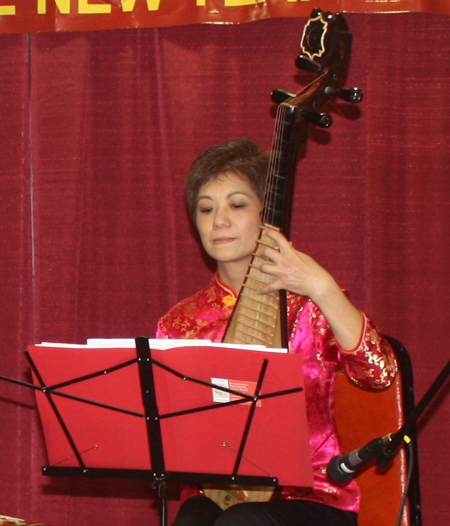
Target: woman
(225,188)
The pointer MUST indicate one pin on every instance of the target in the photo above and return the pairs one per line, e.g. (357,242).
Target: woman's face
(228,218)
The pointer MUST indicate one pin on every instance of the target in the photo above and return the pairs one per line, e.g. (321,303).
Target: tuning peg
(279,95)
(323,120)
(348,94)
(303,62)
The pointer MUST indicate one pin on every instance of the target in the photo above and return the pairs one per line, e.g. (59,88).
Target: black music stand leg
(153,422)
(160,486)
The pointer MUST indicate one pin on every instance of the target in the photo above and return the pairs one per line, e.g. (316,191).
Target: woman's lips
(223,240)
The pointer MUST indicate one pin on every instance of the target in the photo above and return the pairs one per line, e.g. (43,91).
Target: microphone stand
(388,450)
(342,467)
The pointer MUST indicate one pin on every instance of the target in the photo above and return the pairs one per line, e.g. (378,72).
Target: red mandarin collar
(222,285)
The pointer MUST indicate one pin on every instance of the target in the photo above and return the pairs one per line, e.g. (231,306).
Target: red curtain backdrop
(97,132)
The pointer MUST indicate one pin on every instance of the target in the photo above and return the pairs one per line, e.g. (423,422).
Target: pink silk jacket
(371,364)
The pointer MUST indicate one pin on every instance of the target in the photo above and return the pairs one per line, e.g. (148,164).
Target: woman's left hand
(293,270)
(299,273)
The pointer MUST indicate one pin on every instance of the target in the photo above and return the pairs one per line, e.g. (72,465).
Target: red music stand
(160,415)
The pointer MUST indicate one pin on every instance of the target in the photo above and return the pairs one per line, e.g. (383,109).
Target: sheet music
(159,344)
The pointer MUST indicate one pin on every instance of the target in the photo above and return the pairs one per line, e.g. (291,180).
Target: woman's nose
(221,219)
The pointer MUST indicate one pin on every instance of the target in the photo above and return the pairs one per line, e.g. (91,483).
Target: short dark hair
(240,156)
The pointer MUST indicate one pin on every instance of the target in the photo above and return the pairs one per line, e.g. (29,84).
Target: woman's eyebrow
(231,194)
(241,192)
(203,197)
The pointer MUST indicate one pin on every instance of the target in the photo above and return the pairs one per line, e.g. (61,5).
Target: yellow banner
(29,16)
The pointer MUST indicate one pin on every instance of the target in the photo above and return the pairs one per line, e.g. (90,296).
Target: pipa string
(274,168)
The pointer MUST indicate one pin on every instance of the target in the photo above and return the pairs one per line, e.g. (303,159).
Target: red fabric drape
(98,130)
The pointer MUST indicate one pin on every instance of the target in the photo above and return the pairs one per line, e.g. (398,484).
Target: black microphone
(342,467)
